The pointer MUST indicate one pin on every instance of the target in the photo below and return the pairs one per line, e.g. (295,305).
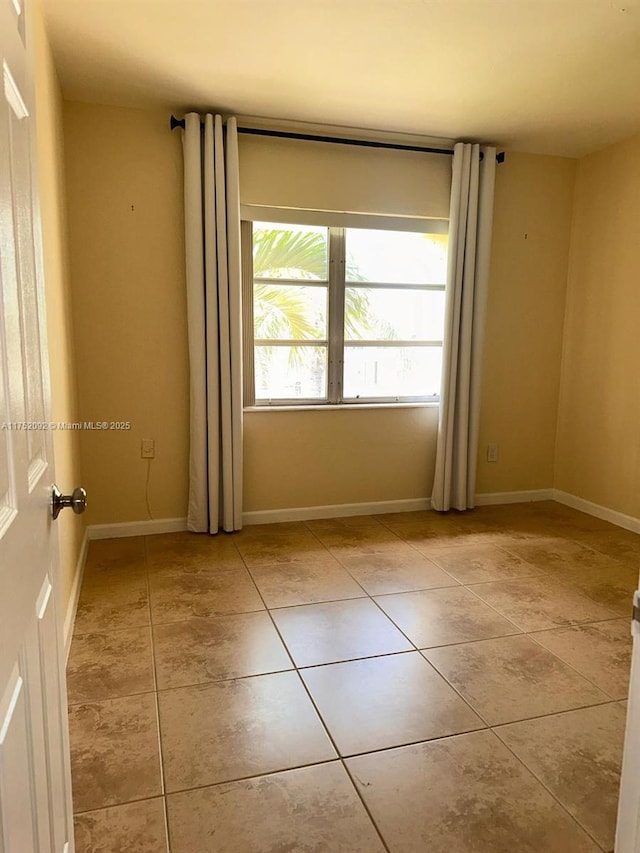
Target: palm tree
(289,254)
(282,311)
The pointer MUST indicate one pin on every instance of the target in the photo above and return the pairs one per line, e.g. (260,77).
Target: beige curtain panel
(470,225)
(212,243)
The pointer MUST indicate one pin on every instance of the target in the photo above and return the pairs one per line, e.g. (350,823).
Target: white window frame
(336,224)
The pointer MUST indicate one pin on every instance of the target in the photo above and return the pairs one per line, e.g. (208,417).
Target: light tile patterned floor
(403,683)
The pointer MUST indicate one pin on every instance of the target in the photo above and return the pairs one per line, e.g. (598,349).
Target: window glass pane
(392,371)
(289,251)
(288,373)
(396,256)
(393,314)
(289,312)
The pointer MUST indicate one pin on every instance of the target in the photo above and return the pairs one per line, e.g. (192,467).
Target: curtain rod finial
(176,122)
(501,157)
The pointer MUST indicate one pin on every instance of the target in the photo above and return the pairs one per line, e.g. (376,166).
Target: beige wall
(70,527)
(124,185)
(598,445)
(521,368)
(318,458)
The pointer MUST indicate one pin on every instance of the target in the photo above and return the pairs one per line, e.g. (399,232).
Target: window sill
(324,407)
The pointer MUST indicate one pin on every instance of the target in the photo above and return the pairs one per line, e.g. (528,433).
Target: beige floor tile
(388,701)
(114,752)
(109,664)
(512,678)
(613,587)
(534,604)
(482,563)
(582,562)
(429,545)
(265,531)
(465,794)
(186,541)
(310,809)
(202,650)
(422,523)
(395,572)
(549,552)
(134,828)
(422,536)
(299,582)
(202,594)
(343,542)
(267,550)
(115,599)
(319,525)
(125,553)
(558,513)
(438,617)
(113,578)
(234,729)
(601,652)
(171,553)
(193,562)
(389,518)
(577,755)
(337,631)
(622,545)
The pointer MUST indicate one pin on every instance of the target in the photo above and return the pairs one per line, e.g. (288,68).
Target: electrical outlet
(492,453)
(148,448)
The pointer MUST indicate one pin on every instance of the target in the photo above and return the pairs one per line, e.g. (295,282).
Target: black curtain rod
(339,140)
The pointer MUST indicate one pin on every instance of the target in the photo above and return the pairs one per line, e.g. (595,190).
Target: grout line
(581,625)
(546,787)
(606,701)
(110,698)
(203,618)
(211,681)
(314,603)
(117,805)
(435,669)
(572,667)
(157,701)
(341,758)
(109,631)
(318,714)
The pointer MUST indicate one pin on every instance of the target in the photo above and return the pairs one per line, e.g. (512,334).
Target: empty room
(320,445)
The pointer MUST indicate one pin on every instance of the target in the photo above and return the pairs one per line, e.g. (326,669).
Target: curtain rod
(336,140)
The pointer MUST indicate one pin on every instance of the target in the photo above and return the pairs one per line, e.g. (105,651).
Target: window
(343,315)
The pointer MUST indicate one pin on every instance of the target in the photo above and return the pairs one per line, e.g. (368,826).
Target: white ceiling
(546,76)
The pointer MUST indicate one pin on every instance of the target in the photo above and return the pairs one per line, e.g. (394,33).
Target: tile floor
(403,683)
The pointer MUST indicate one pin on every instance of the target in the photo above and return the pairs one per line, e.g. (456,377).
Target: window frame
(336,285)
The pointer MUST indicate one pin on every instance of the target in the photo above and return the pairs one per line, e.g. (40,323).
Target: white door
(35,790)
(628,831)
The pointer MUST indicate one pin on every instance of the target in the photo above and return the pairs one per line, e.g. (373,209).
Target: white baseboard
(306,513)
(490,498)
(629,522)
(136,528)
(72,604)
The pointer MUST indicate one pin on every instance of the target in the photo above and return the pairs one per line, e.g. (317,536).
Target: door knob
(77,501)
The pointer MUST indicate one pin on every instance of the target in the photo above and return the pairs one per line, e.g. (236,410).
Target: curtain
(212,246)
(470,223)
